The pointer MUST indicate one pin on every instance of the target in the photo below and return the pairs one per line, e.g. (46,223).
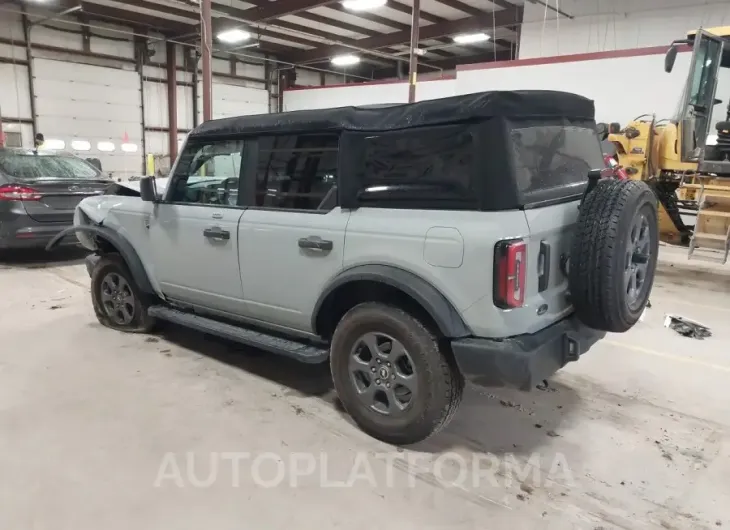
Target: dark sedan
(39,192)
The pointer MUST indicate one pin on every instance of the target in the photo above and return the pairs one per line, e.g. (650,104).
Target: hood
(160,182)
(96,208)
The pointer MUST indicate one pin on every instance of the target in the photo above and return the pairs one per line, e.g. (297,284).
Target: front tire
(118,302)
(391,375)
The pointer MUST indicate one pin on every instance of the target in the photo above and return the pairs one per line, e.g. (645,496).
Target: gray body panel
(261,274)
(190,266)
(282,281)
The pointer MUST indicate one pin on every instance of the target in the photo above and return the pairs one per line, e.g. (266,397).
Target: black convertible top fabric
(515,104)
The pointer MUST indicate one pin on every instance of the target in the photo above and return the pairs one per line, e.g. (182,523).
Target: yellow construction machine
(686,159)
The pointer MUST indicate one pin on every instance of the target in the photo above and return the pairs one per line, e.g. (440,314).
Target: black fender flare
(446,317)
(121,243)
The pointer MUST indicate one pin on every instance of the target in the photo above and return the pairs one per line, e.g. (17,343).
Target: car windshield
(31,166)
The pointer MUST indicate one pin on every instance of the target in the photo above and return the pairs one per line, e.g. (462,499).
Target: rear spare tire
(614,253)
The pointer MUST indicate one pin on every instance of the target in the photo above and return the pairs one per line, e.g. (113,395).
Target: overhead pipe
(56,16)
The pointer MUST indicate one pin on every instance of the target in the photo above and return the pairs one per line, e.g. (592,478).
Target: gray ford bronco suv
(410,246)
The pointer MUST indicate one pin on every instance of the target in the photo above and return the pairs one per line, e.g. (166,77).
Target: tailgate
(551,231)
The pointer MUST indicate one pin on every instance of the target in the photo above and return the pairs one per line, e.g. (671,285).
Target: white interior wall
(602,25)
(365,94)
(652,91)
(233,99)
(314,78)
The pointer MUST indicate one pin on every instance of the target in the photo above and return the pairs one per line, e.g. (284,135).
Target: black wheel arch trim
(446,317)
(121,243)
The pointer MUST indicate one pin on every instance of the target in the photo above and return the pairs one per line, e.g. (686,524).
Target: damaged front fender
(119,243)
(97,208)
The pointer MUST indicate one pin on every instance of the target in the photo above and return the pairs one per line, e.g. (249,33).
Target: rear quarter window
(550,157)
(419,168)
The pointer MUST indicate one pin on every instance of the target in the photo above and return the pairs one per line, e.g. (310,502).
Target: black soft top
(482,105)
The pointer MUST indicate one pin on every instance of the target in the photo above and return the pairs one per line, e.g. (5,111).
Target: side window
(208,173)
(549,155)
(297,172)
(419,168)
(706,63)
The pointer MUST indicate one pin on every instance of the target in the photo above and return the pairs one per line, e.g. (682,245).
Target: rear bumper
(23,232)
(525,360)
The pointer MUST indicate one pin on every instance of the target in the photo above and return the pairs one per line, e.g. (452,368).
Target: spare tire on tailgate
(613,255)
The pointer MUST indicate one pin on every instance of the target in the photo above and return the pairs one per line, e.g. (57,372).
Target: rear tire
(391,376)
(614,254)
(118,302)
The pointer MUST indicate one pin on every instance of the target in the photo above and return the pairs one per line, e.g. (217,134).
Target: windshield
(30,166)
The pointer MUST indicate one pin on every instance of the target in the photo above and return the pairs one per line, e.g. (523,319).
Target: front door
(699,95)
(293,235)
(194,231)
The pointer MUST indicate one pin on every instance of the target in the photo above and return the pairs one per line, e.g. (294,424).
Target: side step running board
(302,352)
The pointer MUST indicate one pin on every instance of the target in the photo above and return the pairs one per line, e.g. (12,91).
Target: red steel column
(413,63)
(172,99)
(207,51)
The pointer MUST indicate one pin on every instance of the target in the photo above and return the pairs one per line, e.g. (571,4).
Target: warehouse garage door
(234,100)
(95,111)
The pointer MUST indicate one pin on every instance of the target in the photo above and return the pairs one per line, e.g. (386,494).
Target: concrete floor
(102,430)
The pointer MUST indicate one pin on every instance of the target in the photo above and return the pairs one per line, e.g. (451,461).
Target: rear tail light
(510,260)
(15,192)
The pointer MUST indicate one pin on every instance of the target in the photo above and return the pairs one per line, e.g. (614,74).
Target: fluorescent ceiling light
(471,38)
(233,36)
(345,60)
(363,5)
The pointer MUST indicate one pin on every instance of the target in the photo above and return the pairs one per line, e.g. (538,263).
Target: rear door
(52,184)
(292,238)
(552,161)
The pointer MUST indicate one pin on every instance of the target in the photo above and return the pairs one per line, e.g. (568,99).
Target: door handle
(216,232)
(315,243)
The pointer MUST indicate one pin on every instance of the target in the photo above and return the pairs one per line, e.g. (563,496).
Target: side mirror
(148,189)
(669,58)
(95,162)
